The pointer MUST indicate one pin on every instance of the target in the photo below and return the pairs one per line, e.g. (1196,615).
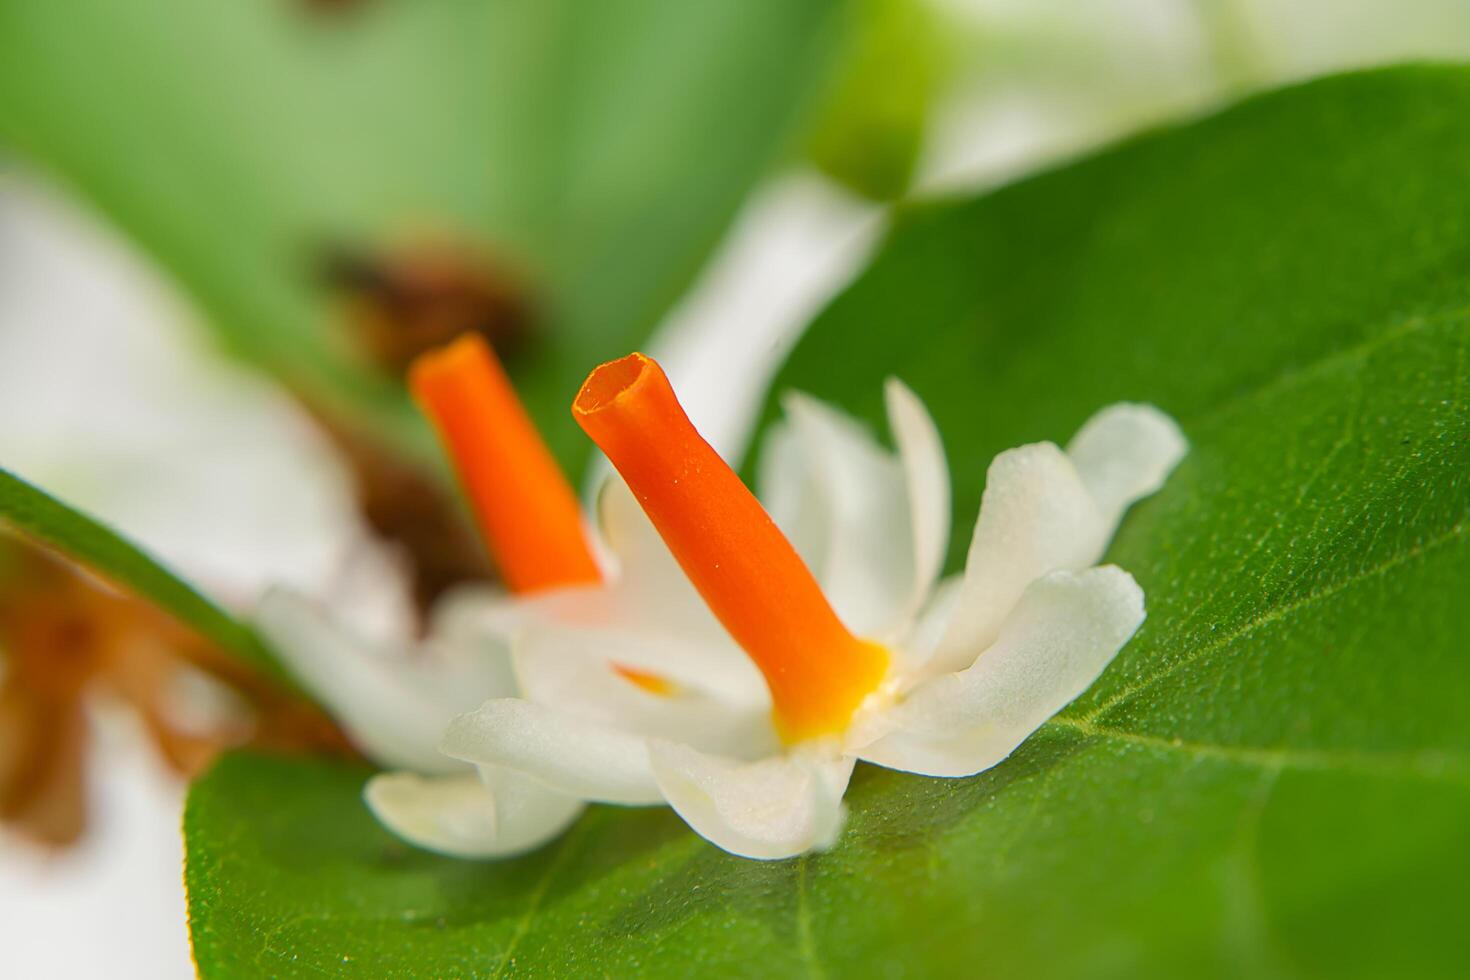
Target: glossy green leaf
(32,512)
(595,147)
(1274,777)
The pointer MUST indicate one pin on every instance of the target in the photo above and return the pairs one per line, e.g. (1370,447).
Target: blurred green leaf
(42,518)
(596,147)
(1273,779)
(872,127)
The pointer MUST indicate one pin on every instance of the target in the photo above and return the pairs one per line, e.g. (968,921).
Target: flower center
(748,573)
(523,505)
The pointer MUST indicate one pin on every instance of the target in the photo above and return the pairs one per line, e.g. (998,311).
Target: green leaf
(597,147)
(41,517)
(1274,777)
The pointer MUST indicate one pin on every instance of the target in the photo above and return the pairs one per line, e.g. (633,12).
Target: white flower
(633,694)
(395,704)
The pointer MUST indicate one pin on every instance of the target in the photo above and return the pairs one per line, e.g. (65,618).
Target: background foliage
(593,152)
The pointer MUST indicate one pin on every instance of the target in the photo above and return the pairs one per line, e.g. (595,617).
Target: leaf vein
(1272,616)
(1334,358)
(1431,765)
(807,942)
(558,861)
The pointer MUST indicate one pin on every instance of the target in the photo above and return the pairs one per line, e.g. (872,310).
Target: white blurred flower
(394,703)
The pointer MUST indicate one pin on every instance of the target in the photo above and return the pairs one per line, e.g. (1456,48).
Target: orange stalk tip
(748,573)
(523,505)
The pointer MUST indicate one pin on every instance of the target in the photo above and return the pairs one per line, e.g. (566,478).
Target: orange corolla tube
(748,573)
(523,504)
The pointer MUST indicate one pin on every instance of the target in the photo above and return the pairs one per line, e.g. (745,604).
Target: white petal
(472,614)
(866,563)
(479,612)
(1066,629)
(926,477)
(1036,516)
(557,749)
(630,535)
(393,706)
(564,670)
(650,593)
(914,655)
(777,807)
(1044,510)
(1123,454)
(466,816)
(788,491)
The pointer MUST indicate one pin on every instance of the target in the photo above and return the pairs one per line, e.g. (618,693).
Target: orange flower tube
(748,573)
(523,504)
